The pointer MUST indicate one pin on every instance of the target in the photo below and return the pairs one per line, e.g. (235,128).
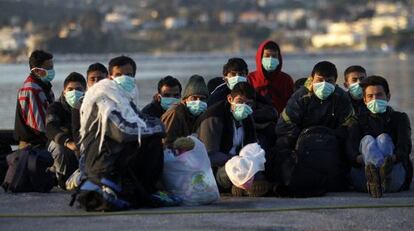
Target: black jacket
(304,110)
(394,123)
(358,105)
(219,94)
(215,130)
(59,121)
(119,144)
(153,109)
(264,115)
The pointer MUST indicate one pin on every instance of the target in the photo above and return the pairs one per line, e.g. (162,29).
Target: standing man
(269,80)
(169,93)
(33,100)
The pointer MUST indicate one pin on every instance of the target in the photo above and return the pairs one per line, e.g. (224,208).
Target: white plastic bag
(189,175)
(241,168)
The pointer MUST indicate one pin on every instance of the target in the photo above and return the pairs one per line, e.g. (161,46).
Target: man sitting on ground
(169,93)
(122,147)
(59,128)
(225,128)
(379,144)
(321,106)
(180,120)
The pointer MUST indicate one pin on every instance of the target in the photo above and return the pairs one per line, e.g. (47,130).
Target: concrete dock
(334,211)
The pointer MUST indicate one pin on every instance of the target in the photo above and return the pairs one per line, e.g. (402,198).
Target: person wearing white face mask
(269,80)
(234,71)
(264,114)
(122,146)
(33,100)
(59,128)
(379,144)
(321,103)
(225,128)
(353,75)
(180,119)
(169,94)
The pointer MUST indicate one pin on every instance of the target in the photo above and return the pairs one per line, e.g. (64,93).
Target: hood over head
(259,54)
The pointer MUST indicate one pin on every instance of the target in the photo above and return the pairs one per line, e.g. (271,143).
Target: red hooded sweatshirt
(276,85)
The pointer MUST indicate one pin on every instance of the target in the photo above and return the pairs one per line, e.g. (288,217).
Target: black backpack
(29,171)
(316,166)
(5,149)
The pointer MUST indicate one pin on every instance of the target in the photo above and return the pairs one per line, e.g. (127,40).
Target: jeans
(65,161)
(374,151)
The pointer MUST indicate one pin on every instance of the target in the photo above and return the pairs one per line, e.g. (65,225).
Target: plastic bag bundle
(189,175)
(243,167)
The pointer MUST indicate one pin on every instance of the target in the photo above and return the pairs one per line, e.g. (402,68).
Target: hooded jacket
(277,85)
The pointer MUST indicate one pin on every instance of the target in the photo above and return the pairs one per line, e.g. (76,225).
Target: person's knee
(385,144)
(366,141)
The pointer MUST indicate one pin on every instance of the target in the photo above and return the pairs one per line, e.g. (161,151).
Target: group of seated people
(317,137)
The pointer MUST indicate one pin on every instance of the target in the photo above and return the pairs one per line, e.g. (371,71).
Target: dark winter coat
(394,123)
(215,129)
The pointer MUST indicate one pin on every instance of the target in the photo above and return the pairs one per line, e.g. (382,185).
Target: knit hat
(195,86)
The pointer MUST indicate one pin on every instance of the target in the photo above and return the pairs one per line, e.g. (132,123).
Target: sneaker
(373,181)
(385,173)
(259,188)
(74,181)
(93,197)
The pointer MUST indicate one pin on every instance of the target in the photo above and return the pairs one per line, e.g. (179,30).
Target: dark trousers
(136,168)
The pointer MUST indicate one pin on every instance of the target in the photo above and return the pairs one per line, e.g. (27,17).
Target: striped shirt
(33,103)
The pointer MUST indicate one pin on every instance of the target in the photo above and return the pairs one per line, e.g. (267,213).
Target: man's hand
(71,145)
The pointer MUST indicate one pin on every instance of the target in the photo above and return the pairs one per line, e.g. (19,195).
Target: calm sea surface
(398,70)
